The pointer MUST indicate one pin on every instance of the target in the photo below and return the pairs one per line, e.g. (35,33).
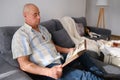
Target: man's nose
(38,16)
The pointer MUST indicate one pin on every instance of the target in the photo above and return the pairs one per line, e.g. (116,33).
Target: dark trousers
(39,77)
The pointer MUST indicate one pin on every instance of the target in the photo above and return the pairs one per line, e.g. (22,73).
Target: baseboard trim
(115,37)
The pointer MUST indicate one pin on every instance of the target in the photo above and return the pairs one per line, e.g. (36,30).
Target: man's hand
(71,49)
(55,72)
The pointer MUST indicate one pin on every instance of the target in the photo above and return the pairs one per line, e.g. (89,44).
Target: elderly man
(36,53)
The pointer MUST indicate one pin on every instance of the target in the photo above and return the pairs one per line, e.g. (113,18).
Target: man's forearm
(35,69)
(30,67)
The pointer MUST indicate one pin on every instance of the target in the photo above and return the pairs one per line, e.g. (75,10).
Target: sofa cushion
(50,25)
(8,72)
(6,34)
(80,29)
(62,39)
(7,56)
(14,75)
(59,26)
(80,20)
(4,66)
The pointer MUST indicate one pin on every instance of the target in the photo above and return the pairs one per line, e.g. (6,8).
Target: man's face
(32,17)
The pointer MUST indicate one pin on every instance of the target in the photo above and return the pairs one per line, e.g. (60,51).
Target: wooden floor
(114,37)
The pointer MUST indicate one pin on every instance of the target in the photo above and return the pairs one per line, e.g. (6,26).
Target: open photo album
(78,51)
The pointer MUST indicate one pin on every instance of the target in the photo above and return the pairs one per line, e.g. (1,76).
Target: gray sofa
(9,69)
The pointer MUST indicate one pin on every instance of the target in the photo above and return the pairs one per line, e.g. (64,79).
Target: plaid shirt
(37,45)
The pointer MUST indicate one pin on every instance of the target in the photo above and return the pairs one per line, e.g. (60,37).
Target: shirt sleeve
(20,45)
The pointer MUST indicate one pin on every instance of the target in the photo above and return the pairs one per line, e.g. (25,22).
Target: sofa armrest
(101,31)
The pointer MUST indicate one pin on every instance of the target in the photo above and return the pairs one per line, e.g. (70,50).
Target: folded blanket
(108,48)
(70,26)
(111,51)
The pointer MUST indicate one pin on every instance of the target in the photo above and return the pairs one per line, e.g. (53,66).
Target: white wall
(112,15)
(11,10)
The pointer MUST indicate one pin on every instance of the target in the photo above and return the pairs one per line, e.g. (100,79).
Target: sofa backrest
(80,20)
(50,25)
(6,34)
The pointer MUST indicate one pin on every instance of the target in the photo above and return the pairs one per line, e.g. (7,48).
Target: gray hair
(27,7)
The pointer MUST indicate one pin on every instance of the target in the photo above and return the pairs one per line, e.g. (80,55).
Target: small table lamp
(101,20)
